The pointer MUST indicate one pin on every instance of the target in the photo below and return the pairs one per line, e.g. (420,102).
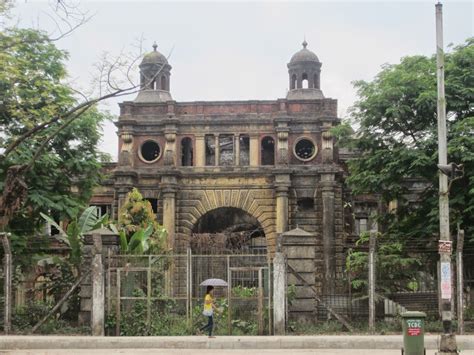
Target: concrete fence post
(279,294)
(7,282)
(460,281)
(98,288)
(372,243)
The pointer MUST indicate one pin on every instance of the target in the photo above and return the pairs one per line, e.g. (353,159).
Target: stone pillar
(170,145)
(200,150)
(98,288)
(126,149)
(282,130)
(299,248)
(279,294)
(109,241)
(328,147)
(169,208)
(327,185)
(282,184)
(237,149)
(217,150)
(254,149)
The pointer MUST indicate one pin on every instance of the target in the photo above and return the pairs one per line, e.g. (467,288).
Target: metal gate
(160,294)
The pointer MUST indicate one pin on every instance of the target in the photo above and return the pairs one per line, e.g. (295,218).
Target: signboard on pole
(446,280)
(445,246)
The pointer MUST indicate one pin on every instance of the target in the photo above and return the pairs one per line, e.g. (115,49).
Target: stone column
(237,149)
(282,130)
(126,149)
(169,208)
(282,184)
(170,145)
(254,149)
(217,150)
(327,185)
(200,150)
(328,147)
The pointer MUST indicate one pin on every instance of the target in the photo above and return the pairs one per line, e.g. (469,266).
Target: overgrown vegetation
(140,232)
(395,134)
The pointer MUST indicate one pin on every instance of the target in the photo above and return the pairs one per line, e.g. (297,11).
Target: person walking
(209,310)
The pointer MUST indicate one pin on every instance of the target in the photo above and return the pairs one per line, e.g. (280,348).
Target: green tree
(396,136)
(139,229)
(60,164)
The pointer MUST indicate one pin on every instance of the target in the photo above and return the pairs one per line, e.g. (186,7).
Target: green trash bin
(413,333)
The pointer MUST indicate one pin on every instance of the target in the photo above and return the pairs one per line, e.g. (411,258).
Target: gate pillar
(105,240)
(299,248)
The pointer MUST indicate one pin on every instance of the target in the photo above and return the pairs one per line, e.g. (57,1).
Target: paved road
(215,352)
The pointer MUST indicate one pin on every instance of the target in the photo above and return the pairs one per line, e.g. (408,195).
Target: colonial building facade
(214,166)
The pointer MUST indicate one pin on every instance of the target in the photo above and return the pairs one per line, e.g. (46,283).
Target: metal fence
(160,294)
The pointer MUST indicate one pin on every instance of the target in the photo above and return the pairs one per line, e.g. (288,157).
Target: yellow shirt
(208,303)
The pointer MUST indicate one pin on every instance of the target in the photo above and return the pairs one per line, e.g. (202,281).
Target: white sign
(446,280)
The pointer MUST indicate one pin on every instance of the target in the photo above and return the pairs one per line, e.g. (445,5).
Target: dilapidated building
(225,166)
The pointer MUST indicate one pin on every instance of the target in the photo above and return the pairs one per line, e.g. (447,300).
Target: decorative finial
(155,46)
(305,43)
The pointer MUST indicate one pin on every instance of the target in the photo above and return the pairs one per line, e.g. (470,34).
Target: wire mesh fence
(161,294)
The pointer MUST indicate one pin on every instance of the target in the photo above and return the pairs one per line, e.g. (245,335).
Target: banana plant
(139,242)
(74,234)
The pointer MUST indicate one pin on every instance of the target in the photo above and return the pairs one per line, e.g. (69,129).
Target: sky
(239,50)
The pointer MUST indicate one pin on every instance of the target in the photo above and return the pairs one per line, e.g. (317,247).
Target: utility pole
(447,344)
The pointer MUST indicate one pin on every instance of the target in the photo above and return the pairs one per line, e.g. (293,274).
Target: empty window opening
(153,85)
(150,151)
(305,204)
(268,151)
(154,204)
(305,81)
(244,157)
(305,149)
(226,149)
(316,81)
(210,150)
(102,210)
(163,83)
(361,226)
(186,152)
(293,82)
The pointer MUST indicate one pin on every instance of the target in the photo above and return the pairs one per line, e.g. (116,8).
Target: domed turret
(304,71)
(155,75)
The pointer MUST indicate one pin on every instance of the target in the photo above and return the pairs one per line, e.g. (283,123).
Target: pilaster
(328,186)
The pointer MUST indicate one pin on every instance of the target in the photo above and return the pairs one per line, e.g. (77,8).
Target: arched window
(163,83)
(186,152)
(304,81)
(268,151)
(293,82)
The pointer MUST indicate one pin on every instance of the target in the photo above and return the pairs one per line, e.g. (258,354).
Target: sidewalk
(389,342)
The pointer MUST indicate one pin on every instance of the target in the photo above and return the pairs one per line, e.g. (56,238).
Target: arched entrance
(228,230)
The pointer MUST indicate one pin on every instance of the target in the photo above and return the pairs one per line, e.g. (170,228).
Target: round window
(150,151)
(305,149)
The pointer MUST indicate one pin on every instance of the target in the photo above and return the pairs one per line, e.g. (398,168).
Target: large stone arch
(258,203)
